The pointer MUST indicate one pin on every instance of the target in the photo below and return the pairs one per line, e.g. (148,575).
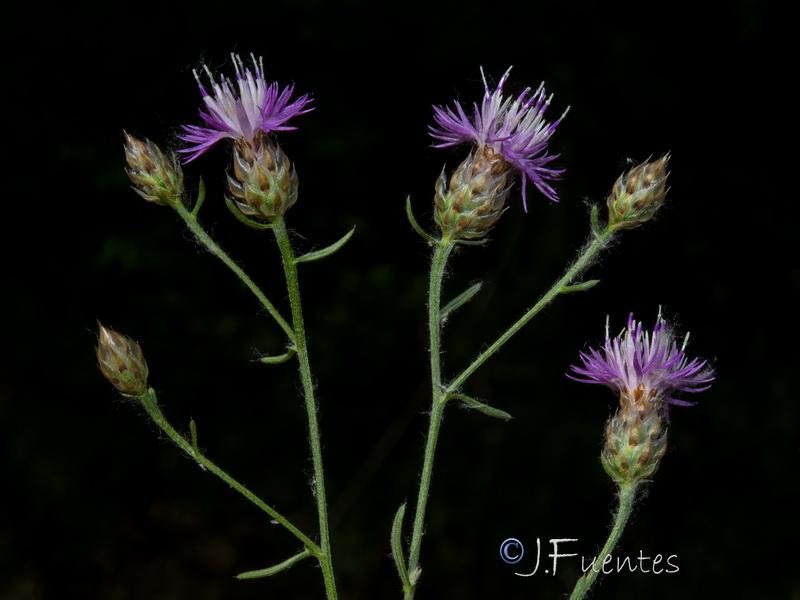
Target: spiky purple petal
(514,128)
(257,108)
(637,358)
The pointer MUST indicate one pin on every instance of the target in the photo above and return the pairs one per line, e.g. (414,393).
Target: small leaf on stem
(275,569)
(480,406)
(460,300)
(318,254)
(273,360)
(579,287)
(397,544)
(416,225)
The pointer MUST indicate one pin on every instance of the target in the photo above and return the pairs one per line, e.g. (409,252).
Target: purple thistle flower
(638,363)
(513,128)
(259,108)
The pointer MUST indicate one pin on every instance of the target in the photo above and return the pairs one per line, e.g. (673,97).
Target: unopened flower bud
(636,438)
(157,178)
(638,194)
(265,185)
(121,362)
(474,200)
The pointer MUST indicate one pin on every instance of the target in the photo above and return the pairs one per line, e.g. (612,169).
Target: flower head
(638,194)
(157,178)
(645,367)
(513,128)
(257,109)
(121,362)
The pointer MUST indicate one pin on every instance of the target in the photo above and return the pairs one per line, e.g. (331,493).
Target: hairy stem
(627,494)
(301,347)
(599,241)
(438,265)
(194,226)
(150,404)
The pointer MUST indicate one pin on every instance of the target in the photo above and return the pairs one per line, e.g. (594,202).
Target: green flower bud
(121,362)
(638,194)
(157,178)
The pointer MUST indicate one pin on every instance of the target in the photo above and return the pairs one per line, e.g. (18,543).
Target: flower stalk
(301,348)
(597,243)
(150,404)
(190,218)
(439,400)
(626,496)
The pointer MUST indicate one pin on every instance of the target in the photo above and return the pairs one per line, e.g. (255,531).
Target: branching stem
(301,347)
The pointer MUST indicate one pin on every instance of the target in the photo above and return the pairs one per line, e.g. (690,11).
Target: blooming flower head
(645,367)
(257,109)
(513,128)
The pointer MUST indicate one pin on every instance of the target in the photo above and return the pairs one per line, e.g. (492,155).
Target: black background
(94,503)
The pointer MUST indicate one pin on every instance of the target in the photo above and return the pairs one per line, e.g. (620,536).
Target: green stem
(600,240)
(301,347)
(627,494)
(194,226)
(150,403)
(439,400)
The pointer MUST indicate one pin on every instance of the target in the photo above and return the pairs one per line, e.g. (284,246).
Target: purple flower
(258,109)
(641,364)
(516,129)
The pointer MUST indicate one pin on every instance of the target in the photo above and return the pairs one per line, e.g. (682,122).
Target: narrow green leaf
(201,196)
(277,568)
(460,300)
(326,251)
(243,218)
(397,545)
(274,360)
(596,221)
(415,225)
(472,242)
(193,430)
(579,287)
(480,406)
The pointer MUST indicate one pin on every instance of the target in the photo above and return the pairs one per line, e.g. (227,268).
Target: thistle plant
(509,140)
(646,370)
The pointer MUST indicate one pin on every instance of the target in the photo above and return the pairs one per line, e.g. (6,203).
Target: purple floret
(258,108)
(514,128)
(653,361)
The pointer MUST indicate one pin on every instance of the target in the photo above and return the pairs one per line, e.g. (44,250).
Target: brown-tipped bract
(157,178)
(265,182)
(473,202)
(638,194)
(121,362)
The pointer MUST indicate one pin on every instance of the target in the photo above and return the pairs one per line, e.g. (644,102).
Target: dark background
(94,503)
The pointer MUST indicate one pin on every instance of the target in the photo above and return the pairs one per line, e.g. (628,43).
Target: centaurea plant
(509,138)
(647,370)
